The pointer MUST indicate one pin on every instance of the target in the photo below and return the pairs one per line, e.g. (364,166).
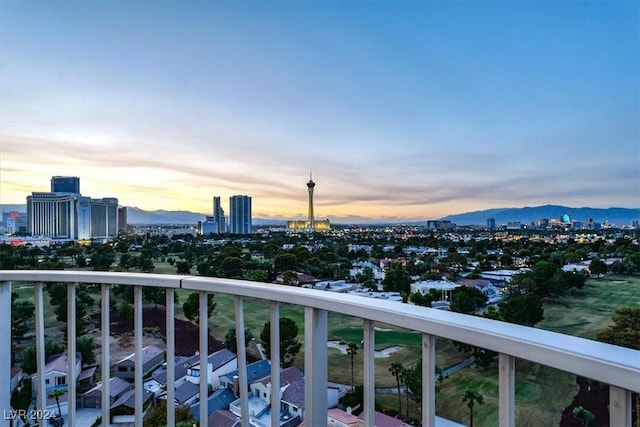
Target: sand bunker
(379,354)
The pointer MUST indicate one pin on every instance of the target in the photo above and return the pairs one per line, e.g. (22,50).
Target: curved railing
(619,367)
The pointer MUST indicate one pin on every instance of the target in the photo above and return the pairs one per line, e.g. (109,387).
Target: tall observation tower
(311,223)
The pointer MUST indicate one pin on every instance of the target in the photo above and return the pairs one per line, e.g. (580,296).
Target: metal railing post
(204,356)
(275,363)
(138,360)
(170,313)
(41,391)
(506,390)
(242,361)
(619,407)
(5,351)
(105,359)
(72,370)
(428,380)
(315,366)
(369,382)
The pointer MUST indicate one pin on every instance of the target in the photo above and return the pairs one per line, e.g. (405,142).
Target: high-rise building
(122,219)
(14,222)
(66,214)
(491,223)
(218,216)
(104,218)
(240,214)
(52,215)
(65,184)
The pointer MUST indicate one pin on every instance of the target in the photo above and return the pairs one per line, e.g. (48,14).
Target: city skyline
(410,111)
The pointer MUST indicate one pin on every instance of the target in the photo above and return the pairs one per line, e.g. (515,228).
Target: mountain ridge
(526,214)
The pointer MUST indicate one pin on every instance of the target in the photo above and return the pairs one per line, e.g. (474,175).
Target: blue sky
(402,109)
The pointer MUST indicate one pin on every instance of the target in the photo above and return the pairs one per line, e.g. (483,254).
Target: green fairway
(384,338)
(590,311)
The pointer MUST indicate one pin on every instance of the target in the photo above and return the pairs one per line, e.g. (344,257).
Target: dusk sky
(401,109)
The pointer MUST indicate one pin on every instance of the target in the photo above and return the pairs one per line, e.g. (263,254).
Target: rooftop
(148,353)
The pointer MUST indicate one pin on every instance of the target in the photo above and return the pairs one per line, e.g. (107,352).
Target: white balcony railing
(619,367)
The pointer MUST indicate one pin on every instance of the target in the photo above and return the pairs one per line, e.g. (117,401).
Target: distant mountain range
(617,216)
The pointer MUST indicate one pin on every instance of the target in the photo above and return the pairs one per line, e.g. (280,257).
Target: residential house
(291,400)
(93,397)
(223,418)
(218,400)
(383,420)
(389,296)
(123,409)
(339,286)
(300,279)
(445,288)
(255,371)
(219,363)
(358,269)
(158,381)
(152,357)
(185,394)
(55,373)
(493,293)
(55,378)
(339,418)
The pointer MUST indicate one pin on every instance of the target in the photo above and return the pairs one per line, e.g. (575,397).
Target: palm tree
(55,394)
(405,377)
(352,350)
(395,369)
(472,397)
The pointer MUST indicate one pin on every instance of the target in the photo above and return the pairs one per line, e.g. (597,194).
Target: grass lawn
(25,291)
(590,311)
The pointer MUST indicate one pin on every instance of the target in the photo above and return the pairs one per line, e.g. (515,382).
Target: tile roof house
(55,372)
(255,371)
(186,394)
(158,381)
(300,278)
(219,363)
(93,397)
(223,418)
(218,400)
(179,370)
(383,420)
(123,409)
(291,401)
(339,418)
(152,357)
